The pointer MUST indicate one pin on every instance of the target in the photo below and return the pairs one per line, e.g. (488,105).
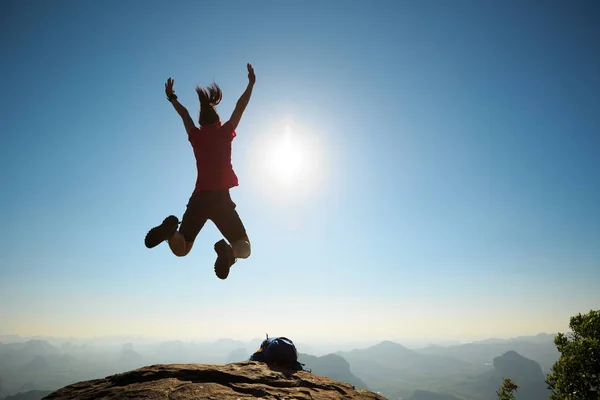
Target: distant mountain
(33,356)
(225,345)
(30,347)
(542,338)
(179,352)
(397,371)
(487,341)
(129,358)
(11,339)
(238,355)
(332,366)
(539,348)
(39,348)
(175,352)
(17,355)
(39,364)
(463,371)
(30,395)
(70,347)
(526,373)
(425,395)
(64,360)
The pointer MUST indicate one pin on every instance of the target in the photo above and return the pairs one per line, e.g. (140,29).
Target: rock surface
(243,380)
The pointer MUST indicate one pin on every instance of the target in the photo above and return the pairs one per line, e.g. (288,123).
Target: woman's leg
(228,221)
(192,222)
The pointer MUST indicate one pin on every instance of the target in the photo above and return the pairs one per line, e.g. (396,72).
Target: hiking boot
(225,259)
(164,231)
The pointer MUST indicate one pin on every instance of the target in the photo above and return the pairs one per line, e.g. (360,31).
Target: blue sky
(452,187)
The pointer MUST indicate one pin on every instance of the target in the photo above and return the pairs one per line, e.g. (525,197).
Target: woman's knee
(241,248)
(179,246)
(180,252)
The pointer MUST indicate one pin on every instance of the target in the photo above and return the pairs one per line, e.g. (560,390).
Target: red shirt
(212,149)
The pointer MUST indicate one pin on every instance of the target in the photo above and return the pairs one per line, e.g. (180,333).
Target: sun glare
(287,162)
(286,159)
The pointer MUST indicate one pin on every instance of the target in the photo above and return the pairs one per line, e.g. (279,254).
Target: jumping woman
(211,143)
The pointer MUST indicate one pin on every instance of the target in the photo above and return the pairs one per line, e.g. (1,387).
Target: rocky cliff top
(243,380)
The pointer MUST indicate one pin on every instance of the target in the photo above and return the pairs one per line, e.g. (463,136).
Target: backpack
(279,351)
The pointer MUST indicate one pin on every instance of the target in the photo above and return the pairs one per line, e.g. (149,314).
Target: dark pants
(217,206)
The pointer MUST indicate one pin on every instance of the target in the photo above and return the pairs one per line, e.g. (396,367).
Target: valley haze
(391,368)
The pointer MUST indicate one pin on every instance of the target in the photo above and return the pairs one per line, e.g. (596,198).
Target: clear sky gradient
(451,181)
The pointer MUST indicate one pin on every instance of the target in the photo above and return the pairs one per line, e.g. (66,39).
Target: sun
(286,159)
(287,163)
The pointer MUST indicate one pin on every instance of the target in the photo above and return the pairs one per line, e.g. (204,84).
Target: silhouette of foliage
(507,390)
(576,375)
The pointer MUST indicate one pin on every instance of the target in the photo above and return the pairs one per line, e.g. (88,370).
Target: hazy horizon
(147,339)
(407,170)
(49,364)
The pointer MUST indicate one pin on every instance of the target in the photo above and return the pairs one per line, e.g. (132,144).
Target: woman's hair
(209,97)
